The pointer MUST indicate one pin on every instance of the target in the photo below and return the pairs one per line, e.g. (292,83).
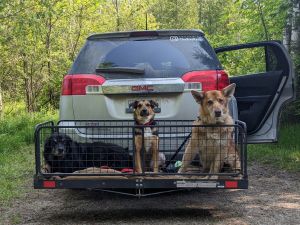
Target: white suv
(114,69)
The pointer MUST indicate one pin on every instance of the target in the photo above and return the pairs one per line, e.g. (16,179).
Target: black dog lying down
(63,155)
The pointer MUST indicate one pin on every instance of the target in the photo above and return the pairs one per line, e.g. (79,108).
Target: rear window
(162,57)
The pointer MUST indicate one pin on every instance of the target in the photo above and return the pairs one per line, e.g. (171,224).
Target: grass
(16,148)
(283,155)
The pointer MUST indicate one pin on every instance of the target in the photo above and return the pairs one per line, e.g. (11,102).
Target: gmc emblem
(142,88)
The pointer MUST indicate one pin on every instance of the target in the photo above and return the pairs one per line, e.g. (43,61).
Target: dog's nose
(60,148)
(218,113)
(144,112)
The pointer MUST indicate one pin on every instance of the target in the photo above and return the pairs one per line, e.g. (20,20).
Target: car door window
(257,71)
(249,61)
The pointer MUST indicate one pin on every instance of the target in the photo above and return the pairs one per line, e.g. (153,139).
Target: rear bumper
(138,183)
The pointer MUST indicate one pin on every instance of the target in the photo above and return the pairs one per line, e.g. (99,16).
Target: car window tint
(160,58)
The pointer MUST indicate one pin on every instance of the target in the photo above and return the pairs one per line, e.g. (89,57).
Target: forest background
(40,38)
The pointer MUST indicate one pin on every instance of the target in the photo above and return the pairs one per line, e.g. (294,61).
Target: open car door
(264,76)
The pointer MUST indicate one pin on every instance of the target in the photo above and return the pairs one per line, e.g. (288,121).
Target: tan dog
(144,115)
(215,145)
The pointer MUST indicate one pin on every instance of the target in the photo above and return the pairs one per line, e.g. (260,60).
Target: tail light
(209,79)
(80,84)
(231,184)
(49,184)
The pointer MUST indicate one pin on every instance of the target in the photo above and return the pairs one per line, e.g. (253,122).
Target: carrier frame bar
(137,181)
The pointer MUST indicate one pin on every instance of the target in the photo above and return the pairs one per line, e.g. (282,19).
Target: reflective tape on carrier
(196,184)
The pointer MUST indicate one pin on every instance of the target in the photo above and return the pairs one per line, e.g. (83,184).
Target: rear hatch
(112,70)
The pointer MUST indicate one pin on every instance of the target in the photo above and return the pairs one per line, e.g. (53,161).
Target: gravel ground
(273,197)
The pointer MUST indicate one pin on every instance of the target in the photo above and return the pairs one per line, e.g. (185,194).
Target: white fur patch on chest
(147,132)
(147,138)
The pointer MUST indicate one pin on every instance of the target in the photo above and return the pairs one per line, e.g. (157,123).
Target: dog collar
(138,131)
(151,122)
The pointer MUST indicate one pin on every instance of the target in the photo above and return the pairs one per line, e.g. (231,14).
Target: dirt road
(272,198)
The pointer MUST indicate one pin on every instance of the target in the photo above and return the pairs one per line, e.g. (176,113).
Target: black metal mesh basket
(103,150)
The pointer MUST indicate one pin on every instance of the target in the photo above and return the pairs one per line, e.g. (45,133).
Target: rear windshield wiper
(131,70)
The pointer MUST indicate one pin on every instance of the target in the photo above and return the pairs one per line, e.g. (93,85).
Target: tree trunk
(295,31)
(288,30)
(287,33)
(118,16)
(28,83)
(1,103)
(80,23)
(263,22)
(48,50)
(291,40)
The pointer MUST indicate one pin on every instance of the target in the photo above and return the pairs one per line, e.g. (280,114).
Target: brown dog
(144,115)
(215,145)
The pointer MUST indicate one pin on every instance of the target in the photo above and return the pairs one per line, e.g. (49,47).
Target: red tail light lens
(49,184)
(76,84)
(210,79)
(231,184)
(223,79)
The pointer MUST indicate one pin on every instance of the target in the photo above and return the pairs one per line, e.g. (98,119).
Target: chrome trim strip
(147,85)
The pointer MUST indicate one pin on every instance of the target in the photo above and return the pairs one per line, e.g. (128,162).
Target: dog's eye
(210,102)
(148,105)
(220,100)
(139,105)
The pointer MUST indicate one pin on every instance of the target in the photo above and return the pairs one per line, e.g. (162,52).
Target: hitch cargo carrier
(101,155)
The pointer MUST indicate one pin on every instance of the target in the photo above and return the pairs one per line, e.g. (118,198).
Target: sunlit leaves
(40,38)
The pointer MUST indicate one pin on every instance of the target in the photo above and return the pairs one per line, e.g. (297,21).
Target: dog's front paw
(181,170)
(55,178)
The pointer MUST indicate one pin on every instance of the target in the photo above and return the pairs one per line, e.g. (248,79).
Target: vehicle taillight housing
(210,79)
(76,84)
(231,184)
(49,184)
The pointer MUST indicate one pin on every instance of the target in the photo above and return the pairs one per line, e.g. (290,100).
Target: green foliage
(229,22)
(17,126)
(283,155)
(245,61)
(42,38)
(16,147)
(178,14)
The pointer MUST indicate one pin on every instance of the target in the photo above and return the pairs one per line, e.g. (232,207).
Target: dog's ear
(198,96)
(133,104)
(153,103)
(47,145)
(229,90)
